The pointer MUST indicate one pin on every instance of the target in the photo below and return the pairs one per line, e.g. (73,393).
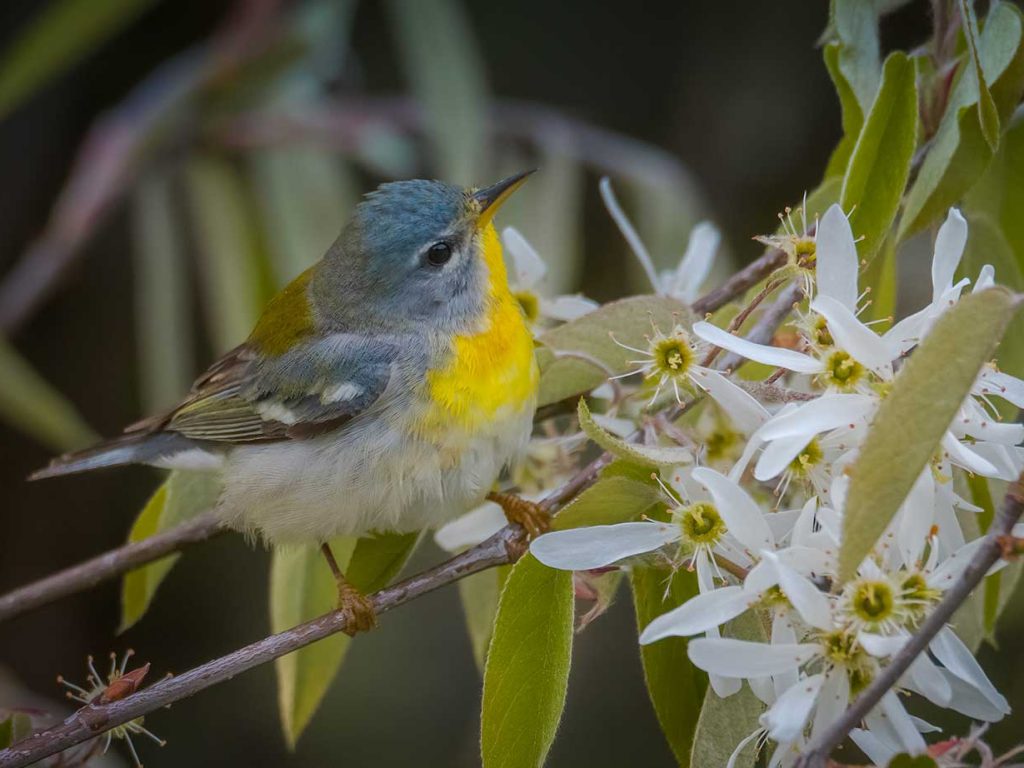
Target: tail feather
(158,449)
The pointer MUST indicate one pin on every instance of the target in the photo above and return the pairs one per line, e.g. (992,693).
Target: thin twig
(88,574)
(746,278)
(505,546)
(766,326)
(990,551)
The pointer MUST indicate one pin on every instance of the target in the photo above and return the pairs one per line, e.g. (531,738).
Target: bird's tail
(152,448)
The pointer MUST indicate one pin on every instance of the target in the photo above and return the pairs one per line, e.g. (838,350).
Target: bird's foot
(530,515)
(359,612)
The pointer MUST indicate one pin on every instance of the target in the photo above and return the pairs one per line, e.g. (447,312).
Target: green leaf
(302,587)
(527,669)
(446,72)
(162,310)
(988,116)
(230,263)
(60,36)
(577,356)
(182,496)
(911,420)
(852,114)
(13,728)
(653,456)
(479,596)
(610,500)
(855,25)
(912,761)
(724,723)
(675,686)
(959,152)
(6,732)
(880,163)
(30,403)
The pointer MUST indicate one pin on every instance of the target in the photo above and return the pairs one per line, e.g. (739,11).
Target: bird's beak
(491,198)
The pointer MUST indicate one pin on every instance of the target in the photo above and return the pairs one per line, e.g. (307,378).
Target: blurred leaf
(229,257)
(988,117)
(306,196)
(446,72)
(724,723)
(881,277)
(610,500)
(527,669)
(479,595)
(183,495)
(164,336)
(302,587)
(675,686)
(959,152)
(29,403)
(913,417)
(853,115)
(999,194)
(855,24)
(653,456)
(564,376)
(880,163)
(667,209)
(981,496)
(912,761)
(13,728)
(62,34)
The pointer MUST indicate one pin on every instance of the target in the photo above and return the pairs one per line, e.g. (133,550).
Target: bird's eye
(439,254)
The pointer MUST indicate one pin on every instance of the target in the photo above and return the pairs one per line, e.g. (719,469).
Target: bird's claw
(359,612)
(530,515)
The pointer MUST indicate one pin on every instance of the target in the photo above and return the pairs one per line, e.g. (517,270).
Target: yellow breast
(490,372)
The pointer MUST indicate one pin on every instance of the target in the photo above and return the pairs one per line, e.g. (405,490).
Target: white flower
(528,271)
(685,281)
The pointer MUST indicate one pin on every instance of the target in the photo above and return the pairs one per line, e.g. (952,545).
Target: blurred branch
(986,556)
(113,563)
(343,124)
(154,114)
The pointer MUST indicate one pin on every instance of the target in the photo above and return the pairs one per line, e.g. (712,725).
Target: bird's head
(421,251)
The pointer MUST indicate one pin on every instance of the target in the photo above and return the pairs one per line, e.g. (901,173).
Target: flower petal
(786,719)
(878,751)
(986,279)
(778,455)
(471,528)
(836,259)
(949,247)
(761,353)
(924,678)
(915,518)
(696,262)
(581,549)
(812,605)
(527,264)
(958,659)
(742,409)
(827,412)
(833,699)
(901,723)
(741,658)
(741,514)
(851,335)
(567,308)
(698,614)
(968,700)
(1003,385)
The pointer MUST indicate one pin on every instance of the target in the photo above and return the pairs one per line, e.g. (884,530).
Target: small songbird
(384,389)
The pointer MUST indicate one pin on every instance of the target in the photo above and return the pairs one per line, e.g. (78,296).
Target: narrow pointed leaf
(653,456)
(302,588)
(675,686)
(610,500)
(880,163)
(527,670)
(914,416)
(852,114)
(988,116)
(182,496)
(479,596)
(855,23)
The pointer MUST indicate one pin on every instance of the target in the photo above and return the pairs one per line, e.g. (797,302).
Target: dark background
(736,90)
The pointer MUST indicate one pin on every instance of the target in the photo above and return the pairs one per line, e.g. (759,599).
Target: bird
(385,389)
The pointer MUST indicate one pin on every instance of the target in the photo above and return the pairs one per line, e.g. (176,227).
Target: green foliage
(913,417)
(180,497)
(675,686)
(29,403)
(302,587)
(610,500)
(853,115)
(578,356)
(652,456)
(855,25)
(479,596)
(880,163)
(61,35)
(527,670)
(988,116)
(912,761)
(959,151)
(13,728)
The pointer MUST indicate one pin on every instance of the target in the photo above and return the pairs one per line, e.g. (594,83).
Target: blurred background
(187,158)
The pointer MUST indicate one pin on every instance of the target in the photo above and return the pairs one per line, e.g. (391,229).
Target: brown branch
(88,574)
(504,547)
(766,326)
(987,555)
(746,278)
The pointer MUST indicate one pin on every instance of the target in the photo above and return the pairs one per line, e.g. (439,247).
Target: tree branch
(102,567)
(990,551)
(505,546)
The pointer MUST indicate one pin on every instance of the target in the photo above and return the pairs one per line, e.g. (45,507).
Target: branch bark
(990,551)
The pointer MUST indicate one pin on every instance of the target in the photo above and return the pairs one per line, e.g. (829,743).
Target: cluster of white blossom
(758,511)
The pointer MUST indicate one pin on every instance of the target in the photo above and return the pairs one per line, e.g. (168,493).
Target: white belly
(373,477)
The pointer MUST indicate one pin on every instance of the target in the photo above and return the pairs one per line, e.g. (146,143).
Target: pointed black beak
(490,198)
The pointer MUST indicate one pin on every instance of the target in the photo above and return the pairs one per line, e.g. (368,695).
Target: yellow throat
(490,371)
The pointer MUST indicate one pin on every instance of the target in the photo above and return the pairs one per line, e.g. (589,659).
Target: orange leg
(362,616)
(528,514)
